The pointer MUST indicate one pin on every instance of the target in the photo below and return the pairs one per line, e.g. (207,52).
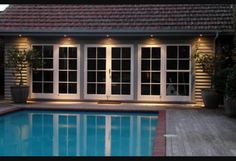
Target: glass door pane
(68,70)
(42,78)
(96,70)
(150,71)
(178,70)
(120,70)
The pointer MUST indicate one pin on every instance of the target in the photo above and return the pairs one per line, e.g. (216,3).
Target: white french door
(150,72)
(164,72)
(178,73)
(59,76)
(68,71)
(108,73)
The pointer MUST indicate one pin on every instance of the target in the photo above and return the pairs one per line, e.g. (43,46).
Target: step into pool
(70,133)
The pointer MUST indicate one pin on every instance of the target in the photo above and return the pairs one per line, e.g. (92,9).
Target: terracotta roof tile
(118,17)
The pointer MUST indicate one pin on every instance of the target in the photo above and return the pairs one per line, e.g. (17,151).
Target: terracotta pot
(19,94)
(211,98)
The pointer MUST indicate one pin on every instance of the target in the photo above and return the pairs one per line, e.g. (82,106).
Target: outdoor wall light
(65,35)
(151,35)
(19,35)
(199,39)
(107,35)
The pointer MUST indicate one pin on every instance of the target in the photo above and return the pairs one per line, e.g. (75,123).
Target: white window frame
(179,98)
(108,95)
(163,70)
(150,97)
(55,94)
(68,95)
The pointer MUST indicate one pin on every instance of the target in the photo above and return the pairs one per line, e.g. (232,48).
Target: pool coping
(10,110)
(159,146)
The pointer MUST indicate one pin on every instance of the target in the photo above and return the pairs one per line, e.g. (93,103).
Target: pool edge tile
(9,110)
(159,148)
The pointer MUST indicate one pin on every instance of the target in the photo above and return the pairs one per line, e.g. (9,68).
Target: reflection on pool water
(64,133)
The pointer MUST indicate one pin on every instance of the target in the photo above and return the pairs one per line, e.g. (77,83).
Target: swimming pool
(69,133)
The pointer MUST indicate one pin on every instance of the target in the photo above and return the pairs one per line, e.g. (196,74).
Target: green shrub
(230,88)
(219,80)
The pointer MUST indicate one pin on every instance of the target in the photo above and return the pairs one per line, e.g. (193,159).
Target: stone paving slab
(97,106)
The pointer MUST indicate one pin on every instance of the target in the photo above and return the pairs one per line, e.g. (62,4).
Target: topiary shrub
(20,59)
(219,80)
(230,87)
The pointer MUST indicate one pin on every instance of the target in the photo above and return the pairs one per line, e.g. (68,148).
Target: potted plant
(18,60)
(230,93)
(211,98)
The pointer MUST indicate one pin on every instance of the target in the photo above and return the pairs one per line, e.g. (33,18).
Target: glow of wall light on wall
(66,40)
(151,40)
(22,38)
(107,41)
(200,36)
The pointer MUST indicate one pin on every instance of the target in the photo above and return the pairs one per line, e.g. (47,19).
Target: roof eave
(112,32)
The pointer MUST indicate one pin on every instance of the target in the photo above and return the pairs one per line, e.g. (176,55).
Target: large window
(177,70)
(42,79)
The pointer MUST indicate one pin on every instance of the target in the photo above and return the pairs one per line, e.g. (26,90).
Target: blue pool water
(64,133)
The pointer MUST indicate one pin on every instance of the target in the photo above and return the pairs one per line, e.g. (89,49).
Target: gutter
(214,42)
(79,32)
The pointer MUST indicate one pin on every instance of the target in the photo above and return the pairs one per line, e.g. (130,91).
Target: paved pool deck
(190,130)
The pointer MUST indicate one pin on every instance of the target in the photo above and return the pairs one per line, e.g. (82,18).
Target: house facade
(137,53)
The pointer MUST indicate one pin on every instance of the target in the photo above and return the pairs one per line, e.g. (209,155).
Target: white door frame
(92,96)
(55,94)
(43,95)
(108,95)
(162,77)
(179,98)
(68,95)
(163,70)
